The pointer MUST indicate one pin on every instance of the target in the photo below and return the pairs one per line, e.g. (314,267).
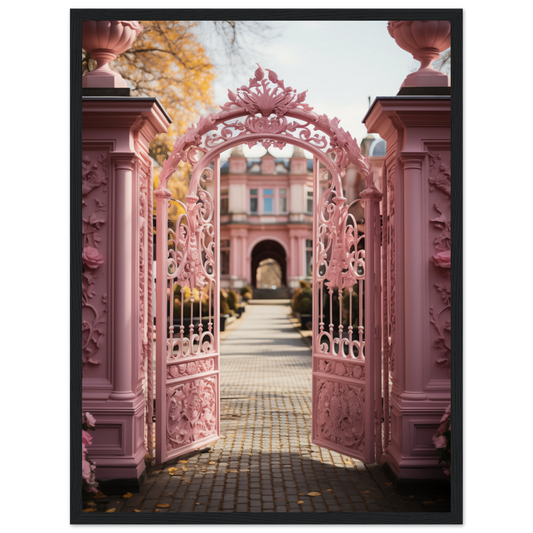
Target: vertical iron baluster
(341,327)
(350,325)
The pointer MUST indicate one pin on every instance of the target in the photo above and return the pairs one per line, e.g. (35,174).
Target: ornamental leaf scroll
(440,178)
(94,175)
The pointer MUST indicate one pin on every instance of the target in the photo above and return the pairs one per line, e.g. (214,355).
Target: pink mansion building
(266,215)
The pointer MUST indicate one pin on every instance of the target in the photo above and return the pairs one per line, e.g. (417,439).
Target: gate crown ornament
(266,103)
(264,99)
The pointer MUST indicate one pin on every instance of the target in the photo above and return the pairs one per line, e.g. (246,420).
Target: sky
(340,63)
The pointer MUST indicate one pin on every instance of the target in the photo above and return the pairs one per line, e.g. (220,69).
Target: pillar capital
(124,160)
(412,160)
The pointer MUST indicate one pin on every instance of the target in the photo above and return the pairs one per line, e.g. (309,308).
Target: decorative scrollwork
(440,178)
(266,103)
(94,174)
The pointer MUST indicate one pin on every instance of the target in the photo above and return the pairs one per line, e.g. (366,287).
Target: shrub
(246,289)
(306,305)
(233,300)
(304,293)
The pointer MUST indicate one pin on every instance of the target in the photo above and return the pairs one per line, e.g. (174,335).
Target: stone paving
(265,461)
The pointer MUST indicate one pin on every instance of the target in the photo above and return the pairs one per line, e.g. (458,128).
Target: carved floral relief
(94,175)
(191,368)
(191,409)
(340,414)
(342,368)
(440,179)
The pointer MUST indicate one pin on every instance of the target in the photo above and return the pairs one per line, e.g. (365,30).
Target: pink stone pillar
(117,317)
(417,185)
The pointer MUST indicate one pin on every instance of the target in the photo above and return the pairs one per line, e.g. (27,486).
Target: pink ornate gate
(346,377)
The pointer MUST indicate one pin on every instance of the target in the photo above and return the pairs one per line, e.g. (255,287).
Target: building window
(283,200)
(309,257)
(309,201)
(268,201)
(253,201)
(224,257)
(224,202)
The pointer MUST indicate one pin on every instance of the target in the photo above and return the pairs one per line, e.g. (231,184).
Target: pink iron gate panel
(187,345)
(346,275)
(346,345)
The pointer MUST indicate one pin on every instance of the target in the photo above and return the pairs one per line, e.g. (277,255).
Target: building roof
(253,165)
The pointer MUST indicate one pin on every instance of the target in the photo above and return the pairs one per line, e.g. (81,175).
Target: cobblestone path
(265,461)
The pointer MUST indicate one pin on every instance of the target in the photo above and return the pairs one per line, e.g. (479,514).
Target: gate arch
(345,379)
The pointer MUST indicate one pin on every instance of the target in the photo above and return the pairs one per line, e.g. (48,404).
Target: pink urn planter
(105,40)
(425,39)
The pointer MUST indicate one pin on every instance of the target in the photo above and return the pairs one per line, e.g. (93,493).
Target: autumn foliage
(168,61)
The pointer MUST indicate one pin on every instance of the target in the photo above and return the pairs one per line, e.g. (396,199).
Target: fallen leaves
(183,461)
(300,501)
(163,505)
(330,490)
(184,468)
(89,510)
(314,494)
(91,504)
(137,511)
(112,510)
(127,495)
(172,470)
(99,495)
(211,463)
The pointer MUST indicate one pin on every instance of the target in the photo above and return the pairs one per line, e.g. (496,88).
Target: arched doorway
(264,251)
(346,364)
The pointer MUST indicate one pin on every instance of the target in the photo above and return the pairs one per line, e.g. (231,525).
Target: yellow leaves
(184,468)
(211,463)
(185,460)
(172,470)
(89,510)
(127,495)
(112,510)
(137,510)
(163,505)
(91,504)
(300,501)
(330,490)
(314,494)
(99,495)
(167,61)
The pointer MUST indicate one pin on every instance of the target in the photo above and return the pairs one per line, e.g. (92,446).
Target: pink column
(124,329)
(294,258)
(414,271)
